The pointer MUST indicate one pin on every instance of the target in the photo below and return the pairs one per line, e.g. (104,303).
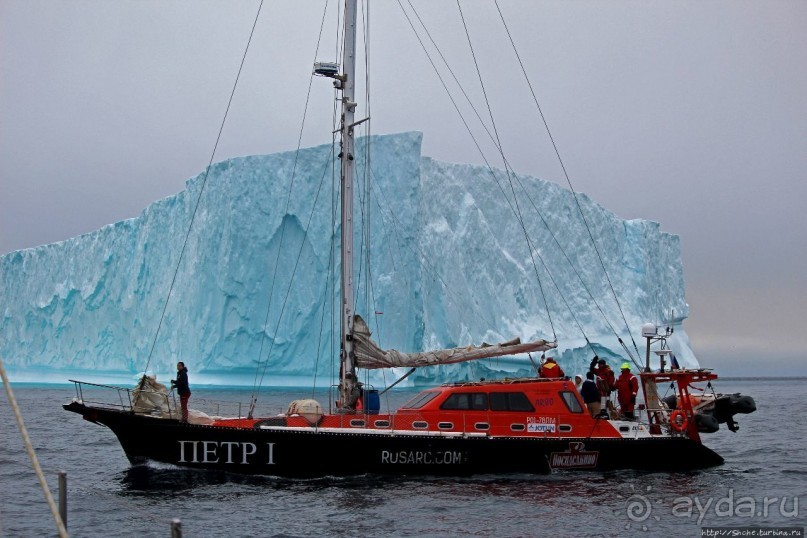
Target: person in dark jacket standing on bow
(183,389)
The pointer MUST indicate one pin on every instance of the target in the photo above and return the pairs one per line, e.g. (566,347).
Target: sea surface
(763,483)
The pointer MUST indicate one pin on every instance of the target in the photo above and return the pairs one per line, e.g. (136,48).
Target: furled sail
(370,356)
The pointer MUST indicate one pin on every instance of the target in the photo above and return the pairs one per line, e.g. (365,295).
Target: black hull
(298,453)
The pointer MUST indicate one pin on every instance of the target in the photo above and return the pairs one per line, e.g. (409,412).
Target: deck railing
(108,396)
(161,403)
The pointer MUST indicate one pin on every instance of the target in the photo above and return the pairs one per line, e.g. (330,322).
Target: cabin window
(571,401)
(355,423)
(381,423)
(517,427)
(445,425)
(565,428)
(421,399)
(420,425)
(466,401)
(510,401)
(482,426)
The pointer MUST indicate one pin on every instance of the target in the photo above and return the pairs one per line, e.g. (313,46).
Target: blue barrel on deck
(372,401)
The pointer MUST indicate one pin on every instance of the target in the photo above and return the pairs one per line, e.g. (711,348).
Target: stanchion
(176,528)
(31,453)
(63,497)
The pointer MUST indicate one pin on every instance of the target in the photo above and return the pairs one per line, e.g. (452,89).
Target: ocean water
(763,483)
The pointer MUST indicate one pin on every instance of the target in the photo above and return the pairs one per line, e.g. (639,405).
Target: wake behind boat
(523,425)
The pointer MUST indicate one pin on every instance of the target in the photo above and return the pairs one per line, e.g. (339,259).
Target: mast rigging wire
(366,219)
(256,384)
(201,191)
(470,132)
(532,202)
(423,259)
(291,278)
(322,320)
(508,168)
(518,180)
(335,178)
(568,180)
(490,168)
(519,216)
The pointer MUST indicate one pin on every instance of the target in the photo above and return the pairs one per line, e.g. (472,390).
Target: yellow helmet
(625,366)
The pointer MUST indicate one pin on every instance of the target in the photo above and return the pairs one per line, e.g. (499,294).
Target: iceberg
(448,266)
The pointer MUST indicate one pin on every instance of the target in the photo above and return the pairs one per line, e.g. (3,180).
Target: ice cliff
(448,266)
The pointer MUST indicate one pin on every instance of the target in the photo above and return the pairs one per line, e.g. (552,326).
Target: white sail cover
(370,356)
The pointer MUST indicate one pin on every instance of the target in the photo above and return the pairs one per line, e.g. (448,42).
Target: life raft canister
(679,421)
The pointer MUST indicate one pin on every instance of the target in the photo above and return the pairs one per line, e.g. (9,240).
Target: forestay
(369,355)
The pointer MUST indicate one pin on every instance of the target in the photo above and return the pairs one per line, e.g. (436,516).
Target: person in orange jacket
(604,372)
(550,369)
(627,387)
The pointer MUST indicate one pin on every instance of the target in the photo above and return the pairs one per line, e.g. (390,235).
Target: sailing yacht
(522,425)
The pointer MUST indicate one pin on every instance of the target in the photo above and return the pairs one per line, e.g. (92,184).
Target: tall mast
(347,382)
(346,82)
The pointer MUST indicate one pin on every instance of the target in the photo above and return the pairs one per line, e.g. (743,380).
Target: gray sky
(692,114)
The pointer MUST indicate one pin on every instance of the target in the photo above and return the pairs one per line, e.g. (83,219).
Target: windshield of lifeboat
(421,399)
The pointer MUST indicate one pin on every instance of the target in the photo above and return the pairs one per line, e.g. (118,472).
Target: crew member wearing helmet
(627,387)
